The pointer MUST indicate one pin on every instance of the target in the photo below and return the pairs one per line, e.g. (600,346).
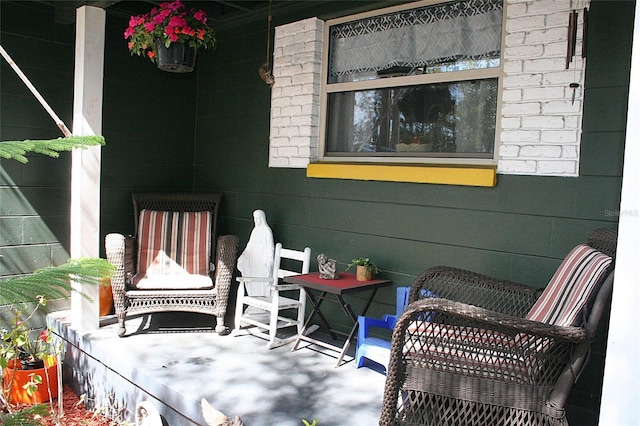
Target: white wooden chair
(264,312)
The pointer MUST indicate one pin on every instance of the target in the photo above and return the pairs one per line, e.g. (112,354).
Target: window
(416,84)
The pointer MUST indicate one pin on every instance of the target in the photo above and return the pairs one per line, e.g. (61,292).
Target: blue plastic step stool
(374,348)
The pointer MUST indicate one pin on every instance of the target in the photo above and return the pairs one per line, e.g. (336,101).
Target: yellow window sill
(444,175)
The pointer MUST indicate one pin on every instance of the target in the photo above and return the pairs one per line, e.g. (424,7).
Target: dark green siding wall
(149,124)
(34,198)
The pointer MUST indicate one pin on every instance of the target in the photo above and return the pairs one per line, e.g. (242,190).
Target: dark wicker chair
(209,297)
(468,356)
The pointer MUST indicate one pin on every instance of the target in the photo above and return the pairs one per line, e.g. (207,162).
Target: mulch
(75,413)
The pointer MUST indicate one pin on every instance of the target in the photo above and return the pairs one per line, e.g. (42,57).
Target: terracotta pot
(106,297)
(363,273)
(48,387)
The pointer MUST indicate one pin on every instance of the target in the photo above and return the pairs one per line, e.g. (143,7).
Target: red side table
(345,285)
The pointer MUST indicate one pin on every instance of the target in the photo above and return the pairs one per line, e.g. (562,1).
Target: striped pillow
(181,240)
(569,290)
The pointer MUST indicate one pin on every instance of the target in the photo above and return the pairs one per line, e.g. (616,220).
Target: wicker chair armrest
(457,313)
(115,251)
(460,285)
(226,256)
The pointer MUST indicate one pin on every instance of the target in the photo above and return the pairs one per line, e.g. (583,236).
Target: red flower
(177,21)
(160,17)
(44,335)
(171,32)
(134,21)
(188,31)
(200,16)
(175,5)
(170,22)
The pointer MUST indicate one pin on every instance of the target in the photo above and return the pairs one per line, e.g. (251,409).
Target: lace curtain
(448,32)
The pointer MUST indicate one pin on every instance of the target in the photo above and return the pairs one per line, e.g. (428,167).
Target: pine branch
(53,281)
(16,150)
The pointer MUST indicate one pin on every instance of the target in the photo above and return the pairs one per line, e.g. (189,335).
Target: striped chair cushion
(173,243)
(569,290)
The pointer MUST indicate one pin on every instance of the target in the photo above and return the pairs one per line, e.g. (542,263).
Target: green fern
(16,150)
(53,281)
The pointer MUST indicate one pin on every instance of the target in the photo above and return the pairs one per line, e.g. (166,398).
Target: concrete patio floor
(176,359)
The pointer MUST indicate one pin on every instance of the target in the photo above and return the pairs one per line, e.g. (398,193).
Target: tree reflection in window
(424,120)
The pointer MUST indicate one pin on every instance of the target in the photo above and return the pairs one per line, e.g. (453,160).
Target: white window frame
(445,77)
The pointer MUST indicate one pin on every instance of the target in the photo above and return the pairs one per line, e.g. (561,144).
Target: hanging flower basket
(170,35)
(178,57)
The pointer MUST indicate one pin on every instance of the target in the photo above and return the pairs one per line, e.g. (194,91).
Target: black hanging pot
(178,57)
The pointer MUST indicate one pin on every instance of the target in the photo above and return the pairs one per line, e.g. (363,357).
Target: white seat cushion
(175,282)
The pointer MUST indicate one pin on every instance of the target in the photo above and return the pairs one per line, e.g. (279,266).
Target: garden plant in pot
(364,268)
(29,361)
(19,344)
(170,35)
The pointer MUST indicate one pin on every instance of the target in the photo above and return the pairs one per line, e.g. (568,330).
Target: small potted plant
(364,268)
(170,35)
(29,363)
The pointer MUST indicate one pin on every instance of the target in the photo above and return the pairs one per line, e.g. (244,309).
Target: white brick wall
(540,125)
(295,96)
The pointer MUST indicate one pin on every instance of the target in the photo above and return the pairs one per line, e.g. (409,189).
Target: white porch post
(621,388)
(85,169)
